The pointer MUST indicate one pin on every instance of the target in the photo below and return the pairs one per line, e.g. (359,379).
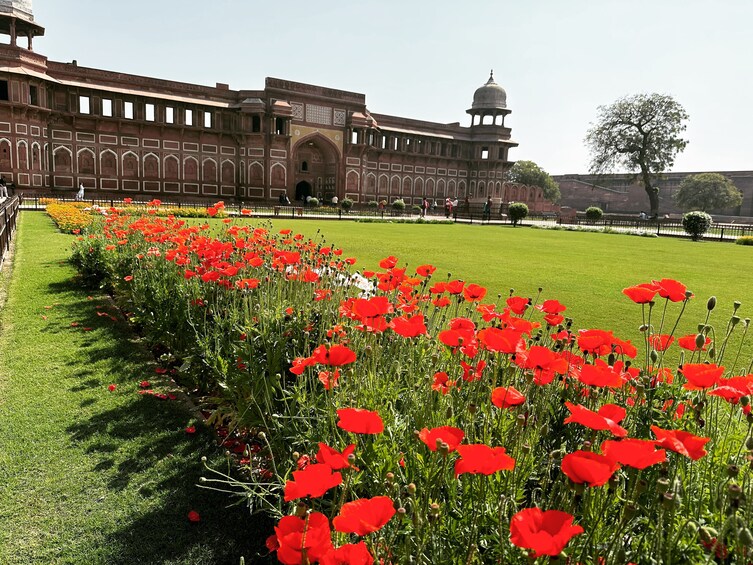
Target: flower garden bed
(387,415)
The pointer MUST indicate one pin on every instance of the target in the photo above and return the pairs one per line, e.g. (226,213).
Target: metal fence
(9,208)
(471,213)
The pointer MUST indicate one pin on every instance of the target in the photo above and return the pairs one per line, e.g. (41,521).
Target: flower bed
(387,415)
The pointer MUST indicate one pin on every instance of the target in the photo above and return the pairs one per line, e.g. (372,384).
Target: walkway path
(87,475)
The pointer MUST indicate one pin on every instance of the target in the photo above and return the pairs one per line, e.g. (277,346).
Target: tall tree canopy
(528,172)
(640,133)
(707,191)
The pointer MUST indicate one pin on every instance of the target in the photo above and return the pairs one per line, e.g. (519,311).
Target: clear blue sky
(558,60)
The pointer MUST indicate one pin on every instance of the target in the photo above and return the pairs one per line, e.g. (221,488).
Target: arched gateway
(316,168)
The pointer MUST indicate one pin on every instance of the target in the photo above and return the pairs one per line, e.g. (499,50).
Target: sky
(558,60)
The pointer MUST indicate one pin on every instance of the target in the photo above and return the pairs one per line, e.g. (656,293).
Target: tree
(696,224)
(707,191)
(528,172)
(640,133)
(517,211)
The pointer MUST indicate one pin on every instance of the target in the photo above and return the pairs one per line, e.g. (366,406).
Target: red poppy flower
(507,396)
(688,342)
(700,375)
(596,342)
(501,341)
(441,302)
(425,270)
(442,383)
(335,356)
(642,293)
(474,293)
(471,373)
(299,364)
(360,421)
(144,384)
(111,388)
(554,319)
(480,459)
(454,287)
(409,327)
(671,289)
(588,467)
(551,307)
(348,554)
(681,442)
(364,516)
(194,517)
(445,434)
(607,418)
(661,342)
(298,535)
(518,304)
(599,374)
(314,481)
(330,456)
(212,211)
(636,453)
(329,378)
(546,533)
(190,430)
(544,363)
(388,262)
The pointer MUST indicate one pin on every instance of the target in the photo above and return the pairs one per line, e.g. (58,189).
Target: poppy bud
(611,359)
(734,320)
(296,455)
(262,436)
(688,295)
(203,458)
(712,353)
(749,442)
(521,419)
(643,328)
(744,400)
(401,512)
(668,500)
(641,486)
(733,470)
(300,509)
(411,488)
(586,446)
(749,417)
(701,422)
(734,491)
(202,479)
(631,508)
(711,304)
(745,537)
(351,458)
(662,485)
(472,408)
(736,304)
(654,356)
(526,448)
(443,448)
(707,534)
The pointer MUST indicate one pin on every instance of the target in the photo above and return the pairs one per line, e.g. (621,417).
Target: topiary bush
(398,205)
(744,240)
(516,212)
(416,209)
(346,204)
(372,204)
(313,202)
(594,213)
(696,224)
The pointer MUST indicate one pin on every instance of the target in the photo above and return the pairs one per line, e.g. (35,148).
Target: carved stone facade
(121,135)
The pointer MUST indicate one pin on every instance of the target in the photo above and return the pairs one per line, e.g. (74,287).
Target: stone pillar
(13,32)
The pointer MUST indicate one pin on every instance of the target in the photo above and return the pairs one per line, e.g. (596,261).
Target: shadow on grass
(139,451)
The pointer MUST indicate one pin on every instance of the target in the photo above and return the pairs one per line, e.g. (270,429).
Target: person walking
(487,213)
(3,188)
(80,193)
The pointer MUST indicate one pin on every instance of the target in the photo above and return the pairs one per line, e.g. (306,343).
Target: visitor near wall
(80,193)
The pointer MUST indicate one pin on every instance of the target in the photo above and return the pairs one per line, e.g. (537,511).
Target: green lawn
(584,271)
(86,475)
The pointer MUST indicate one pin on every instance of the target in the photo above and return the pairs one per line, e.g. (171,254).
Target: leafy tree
(517,211)
(696,224)
(640,133)
(707,191)
(528,172)
(594,213)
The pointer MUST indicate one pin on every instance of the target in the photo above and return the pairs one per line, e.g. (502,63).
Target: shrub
(516,211)
(372,204)
(744,240)
(398,205)
(346,204)
(696,224)
(594,213)
(313,202)
(416,209)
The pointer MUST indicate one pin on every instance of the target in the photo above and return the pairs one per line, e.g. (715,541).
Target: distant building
(125,135)
(623,193)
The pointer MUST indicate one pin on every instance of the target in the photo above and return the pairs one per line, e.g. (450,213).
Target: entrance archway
(302,190)
(316,161)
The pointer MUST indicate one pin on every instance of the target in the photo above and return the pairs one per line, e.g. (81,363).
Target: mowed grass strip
(87,475)
(584,271)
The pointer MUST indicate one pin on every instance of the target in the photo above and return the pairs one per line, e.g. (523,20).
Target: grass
(86,475)
(584,271)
